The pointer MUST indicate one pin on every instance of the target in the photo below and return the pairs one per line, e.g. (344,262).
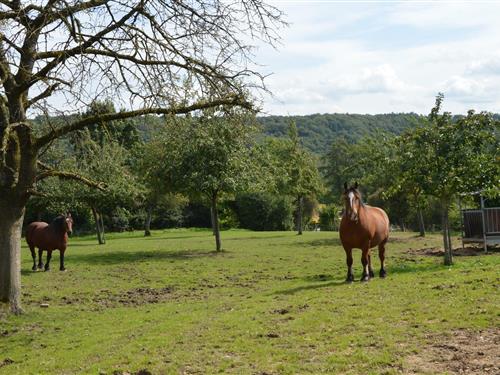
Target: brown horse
(362,227)
(49,237)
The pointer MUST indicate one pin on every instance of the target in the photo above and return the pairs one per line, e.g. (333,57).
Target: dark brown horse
(49,237)
(362,227)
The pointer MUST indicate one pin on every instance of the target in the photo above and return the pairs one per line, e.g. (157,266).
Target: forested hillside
(319,130)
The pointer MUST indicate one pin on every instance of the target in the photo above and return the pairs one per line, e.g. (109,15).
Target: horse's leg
(365,259)
(370,269)
(61,260)
(49,256)
(33,255)
(381,255)
(40,262)
(350,276)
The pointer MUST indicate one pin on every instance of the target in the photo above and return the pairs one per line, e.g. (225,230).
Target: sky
(383,56)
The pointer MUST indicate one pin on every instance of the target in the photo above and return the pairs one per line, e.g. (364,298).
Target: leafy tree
(85,49)
(336,164)
(445,158)
(207,157)
(106,163)
(295,170)
(110,168)
(146,168)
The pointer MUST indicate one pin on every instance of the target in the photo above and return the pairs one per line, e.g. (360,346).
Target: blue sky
(384,56)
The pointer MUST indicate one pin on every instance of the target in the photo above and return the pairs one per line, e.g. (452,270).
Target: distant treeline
(318,131)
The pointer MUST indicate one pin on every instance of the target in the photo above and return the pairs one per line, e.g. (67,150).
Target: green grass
(273,302)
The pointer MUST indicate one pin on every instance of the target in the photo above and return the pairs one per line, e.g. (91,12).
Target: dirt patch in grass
(406,239)
(130,298)
(138,296)
(464,352)
(5,362)
(439,252)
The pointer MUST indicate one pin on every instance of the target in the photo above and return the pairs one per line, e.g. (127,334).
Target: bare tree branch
(174,110)
(49,172)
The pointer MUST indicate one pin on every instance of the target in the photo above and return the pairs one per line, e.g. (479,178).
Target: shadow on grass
(319,243)
(310,286)
(156,237)
(80,244)
(28,272)
(116,257)
(334,280)
(253,238)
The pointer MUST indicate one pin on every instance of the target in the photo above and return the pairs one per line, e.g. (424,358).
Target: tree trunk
(421,225)
(215,216)
(212,219)
(448,257)
(17,175)
(11,222)
(299,214)
(99,230)
(403,226)
(147,222)
(101,222)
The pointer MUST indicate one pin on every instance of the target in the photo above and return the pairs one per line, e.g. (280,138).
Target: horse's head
(68,223)
(352,201)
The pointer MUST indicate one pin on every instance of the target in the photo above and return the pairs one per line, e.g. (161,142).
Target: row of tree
(426,169)
(217,156)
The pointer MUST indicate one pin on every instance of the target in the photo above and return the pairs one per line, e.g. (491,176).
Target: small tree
(209,156)
(106,163)
(300,177)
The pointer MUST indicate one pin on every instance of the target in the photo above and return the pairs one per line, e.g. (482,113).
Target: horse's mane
(58,223)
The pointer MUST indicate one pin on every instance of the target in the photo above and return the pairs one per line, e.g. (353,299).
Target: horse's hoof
(47,269)
(365,278)
(348,281)
(372,274)
(62,269)
(383,274)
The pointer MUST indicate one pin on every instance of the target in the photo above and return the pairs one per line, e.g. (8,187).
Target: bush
(196,215)
(227,215)
(328,217)
(263,211)
(119,220)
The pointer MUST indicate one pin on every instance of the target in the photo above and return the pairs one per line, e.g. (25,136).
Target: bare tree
(154,56)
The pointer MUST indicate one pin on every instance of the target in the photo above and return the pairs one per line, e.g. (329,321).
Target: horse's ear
(356,185)
(345,186)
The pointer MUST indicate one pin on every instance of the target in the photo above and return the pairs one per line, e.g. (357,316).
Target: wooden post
(484,225)
(461,221)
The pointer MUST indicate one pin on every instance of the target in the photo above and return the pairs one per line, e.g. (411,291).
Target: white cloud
(469,89)
(378,58)
(378,79)
(489,66)
(447,14)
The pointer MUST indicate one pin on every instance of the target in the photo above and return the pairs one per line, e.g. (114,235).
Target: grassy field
(271,303)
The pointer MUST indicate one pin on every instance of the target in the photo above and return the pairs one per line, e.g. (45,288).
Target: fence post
(484,225)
